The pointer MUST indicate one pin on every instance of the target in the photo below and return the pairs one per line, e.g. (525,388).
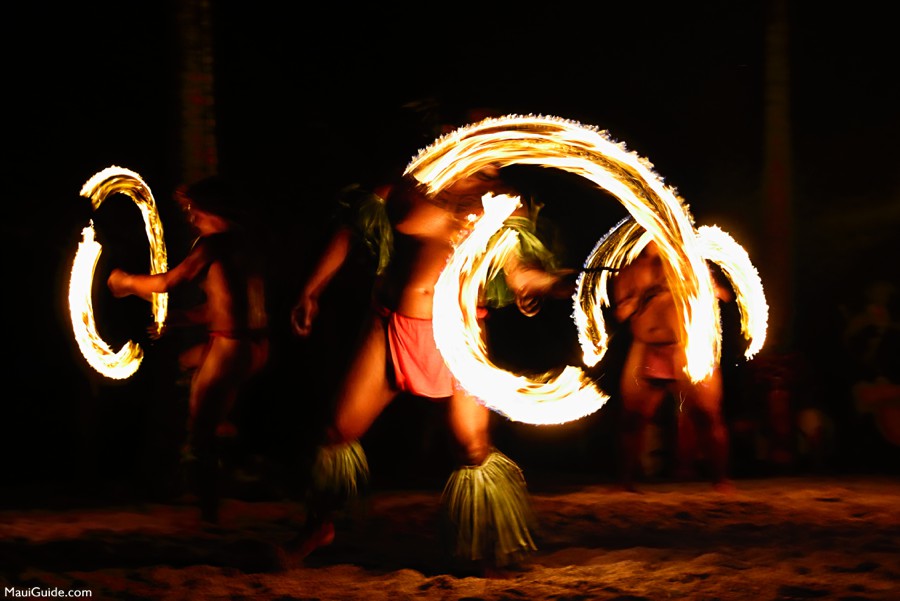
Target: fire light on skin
(124,363)
(624,242)
(657,211)
(550,399)
(616,248)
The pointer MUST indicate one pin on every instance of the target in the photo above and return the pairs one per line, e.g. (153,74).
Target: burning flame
(98,354)
(658,214)
(721,249)
(114,365)
(549,399)
(624,242)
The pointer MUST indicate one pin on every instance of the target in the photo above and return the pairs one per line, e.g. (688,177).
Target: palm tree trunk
(198,116)
(777,180)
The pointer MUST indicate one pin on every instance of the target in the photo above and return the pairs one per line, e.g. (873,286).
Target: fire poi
(657,212)
(124,363)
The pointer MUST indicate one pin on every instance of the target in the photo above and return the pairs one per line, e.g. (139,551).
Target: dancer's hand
(303,314)
(155,332)
(118,283)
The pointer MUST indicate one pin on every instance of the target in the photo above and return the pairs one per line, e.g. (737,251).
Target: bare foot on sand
(293,553)
(486,569)
(495,573)
(628,487)
(725,487)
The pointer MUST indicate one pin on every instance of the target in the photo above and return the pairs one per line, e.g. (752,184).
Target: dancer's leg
(486,505)
(641,399)
(340,470)
(704,400)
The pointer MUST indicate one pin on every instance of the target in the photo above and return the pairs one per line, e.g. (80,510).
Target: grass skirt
(488,513)
(340,474)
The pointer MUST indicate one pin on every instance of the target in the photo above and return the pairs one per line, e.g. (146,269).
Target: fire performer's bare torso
(425,230)
(221,263)
(397,351)
(654,367)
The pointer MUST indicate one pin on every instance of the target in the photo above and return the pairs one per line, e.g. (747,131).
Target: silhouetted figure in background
(872,338)
(224,264)
(654,369)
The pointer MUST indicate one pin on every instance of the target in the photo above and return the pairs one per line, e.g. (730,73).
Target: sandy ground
(773,539)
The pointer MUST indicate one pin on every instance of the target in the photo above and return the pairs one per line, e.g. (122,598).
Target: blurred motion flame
(657,213)
(124,363)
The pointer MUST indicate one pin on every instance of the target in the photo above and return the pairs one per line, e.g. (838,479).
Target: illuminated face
(481,182)
(203,222)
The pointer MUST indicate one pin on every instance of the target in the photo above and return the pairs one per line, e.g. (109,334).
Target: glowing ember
(123,364)
(658,213)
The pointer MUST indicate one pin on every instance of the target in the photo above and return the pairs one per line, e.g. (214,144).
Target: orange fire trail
(625,241)
(658,213)
(124,363)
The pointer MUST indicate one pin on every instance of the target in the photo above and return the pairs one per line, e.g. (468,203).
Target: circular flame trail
(657,211)
(624,242)
(124,363)
(550,399)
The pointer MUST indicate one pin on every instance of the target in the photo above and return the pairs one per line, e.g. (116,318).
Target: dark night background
(310,99)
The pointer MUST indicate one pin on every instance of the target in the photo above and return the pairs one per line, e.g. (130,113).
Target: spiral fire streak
(624,242)
(618,247)
(720,248)
(96,351)
(656,210)
(552,398)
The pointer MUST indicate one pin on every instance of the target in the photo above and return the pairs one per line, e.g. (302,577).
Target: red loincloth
(418,364)
(660,362)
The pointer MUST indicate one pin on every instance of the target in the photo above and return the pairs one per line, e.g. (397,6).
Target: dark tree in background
(197,86)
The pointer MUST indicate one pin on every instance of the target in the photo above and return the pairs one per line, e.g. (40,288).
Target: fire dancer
(224,265)
(654,368)
(485,501)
